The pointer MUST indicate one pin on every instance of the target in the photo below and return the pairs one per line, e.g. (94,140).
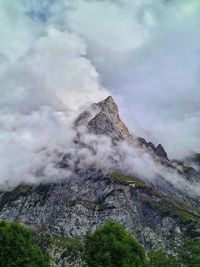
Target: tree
(112,246)
(17,248)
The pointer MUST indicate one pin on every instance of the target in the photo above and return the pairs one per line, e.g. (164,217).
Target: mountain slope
(107,121)
(156,212)
(81,204)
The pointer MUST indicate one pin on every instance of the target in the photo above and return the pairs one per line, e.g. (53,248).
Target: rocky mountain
(158,213)
(106,121)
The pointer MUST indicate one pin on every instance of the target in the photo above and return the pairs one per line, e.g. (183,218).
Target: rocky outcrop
(156,150)
(103,119)
(158,214)
(108,122)
(84,202)
(159,150)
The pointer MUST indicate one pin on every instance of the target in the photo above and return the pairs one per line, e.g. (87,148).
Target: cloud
(147,53)
(41,94)
(56,57)
(18,31)
(99,152)
(114,26)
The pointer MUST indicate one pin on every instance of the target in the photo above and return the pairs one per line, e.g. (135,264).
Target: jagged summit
(108,122)
(109,103)
(158,150)
(157,212)
(109,106)
(103,119)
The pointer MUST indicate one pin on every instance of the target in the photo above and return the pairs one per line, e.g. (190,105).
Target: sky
(147,53)
(58,56)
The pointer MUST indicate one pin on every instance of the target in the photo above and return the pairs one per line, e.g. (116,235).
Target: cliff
(158,214)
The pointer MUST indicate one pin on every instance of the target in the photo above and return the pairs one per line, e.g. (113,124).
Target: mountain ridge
(157,213)
(108,122)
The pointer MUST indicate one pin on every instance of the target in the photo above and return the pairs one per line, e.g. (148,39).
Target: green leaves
(112,246)
(191,255)
(17,248)
(109,246)
(158,258)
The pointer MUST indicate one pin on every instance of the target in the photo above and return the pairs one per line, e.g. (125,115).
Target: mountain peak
(103,119)
(109,104)
(107,121)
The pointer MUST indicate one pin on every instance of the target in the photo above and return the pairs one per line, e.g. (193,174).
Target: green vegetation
(17,248)
(175,209)
(112,246)
(117,177)
(45,239)
(71,247)
(166,204)
(158,258)
(63,242)
(109,246)
(190,257)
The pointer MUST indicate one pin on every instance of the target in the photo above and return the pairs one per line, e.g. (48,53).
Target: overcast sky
(57,56)
(147,53)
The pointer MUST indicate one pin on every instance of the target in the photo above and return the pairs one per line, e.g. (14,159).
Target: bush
(112,246)
(17,248)
(158,258)
(190,256)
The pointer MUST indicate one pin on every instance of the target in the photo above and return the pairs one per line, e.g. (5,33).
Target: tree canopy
(17,248)
(112,246)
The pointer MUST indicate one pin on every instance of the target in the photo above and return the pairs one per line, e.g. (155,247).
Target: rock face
(159,217)
(157,150)
(106,121)
(87,200)
(103,119)
(71,208)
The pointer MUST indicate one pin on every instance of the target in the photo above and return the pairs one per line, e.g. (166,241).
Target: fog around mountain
(58,57)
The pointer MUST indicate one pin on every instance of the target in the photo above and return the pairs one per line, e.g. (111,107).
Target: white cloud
(41,93)
(51,54)
(17,30)
(147,53)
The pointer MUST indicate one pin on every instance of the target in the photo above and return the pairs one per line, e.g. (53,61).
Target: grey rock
(75,206)
(103,119)
(158,214)
(159,150)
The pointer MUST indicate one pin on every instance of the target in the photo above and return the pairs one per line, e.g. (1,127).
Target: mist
(58,57)
(147,53)
(43,92)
